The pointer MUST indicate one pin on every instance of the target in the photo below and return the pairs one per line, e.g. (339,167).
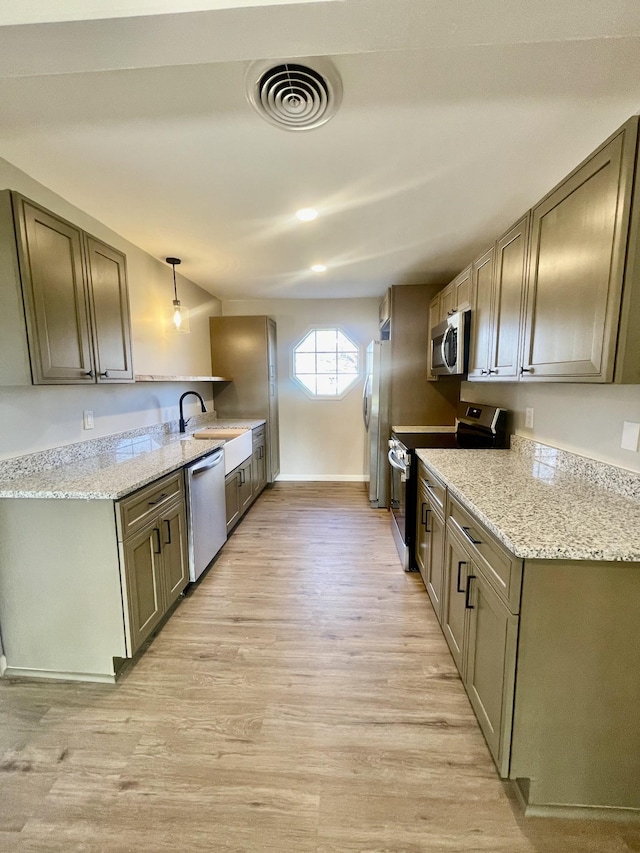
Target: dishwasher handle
(210,462)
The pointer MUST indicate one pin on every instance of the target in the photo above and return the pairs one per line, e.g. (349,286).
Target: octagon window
(326,363)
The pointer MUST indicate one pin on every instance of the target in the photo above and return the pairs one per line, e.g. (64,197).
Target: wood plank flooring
(301,698)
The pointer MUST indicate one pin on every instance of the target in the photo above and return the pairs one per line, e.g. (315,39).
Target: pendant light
(177,310)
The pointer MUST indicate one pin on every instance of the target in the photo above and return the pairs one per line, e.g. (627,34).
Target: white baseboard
(322,478)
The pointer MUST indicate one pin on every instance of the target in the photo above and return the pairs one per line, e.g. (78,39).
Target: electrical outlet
(630,436)
(87,419)
(528,418)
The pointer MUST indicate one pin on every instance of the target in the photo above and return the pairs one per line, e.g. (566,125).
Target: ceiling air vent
(295,96)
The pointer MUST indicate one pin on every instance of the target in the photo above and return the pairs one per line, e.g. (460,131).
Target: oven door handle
(395,463)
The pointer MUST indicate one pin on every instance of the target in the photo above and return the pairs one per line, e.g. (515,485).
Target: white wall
(36,418)
(585,419)
(319,439)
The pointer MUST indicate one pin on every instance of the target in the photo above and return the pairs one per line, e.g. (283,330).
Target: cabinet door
(273,429)
(457,571)
(490,667)
(447,299)
(258,467)
(109,300)
(422,537)
(510,263)
(175,565)
(232,498)
(53,281)
(462,290)
(481,315)
(429,550)
(245,485)
(578,242)
(143,569)
(434,319)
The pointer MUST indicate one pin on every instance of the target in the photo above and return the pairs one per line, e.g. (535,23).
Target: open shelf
(153,377)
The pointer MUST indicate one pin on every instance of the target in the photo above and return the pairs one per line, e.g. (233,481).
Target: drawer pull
(157,500)
(467,602)
(156,530)
(461,563)
(469,536)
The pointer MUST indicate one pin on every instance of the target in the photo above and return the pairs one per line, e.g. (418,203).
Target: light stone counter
(540,510)
(117,466)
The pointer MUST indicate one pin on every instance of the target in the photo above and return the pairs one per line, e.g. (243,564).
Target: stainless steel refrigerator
(375,412)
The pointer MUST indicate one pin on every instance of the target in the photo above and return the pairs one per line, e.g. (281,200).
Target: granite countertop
(130,462)
(537,510)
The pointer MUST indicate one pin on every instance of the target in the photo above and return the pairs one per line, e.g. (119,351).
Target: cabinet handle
(89,373)
(157,500)
(526,370)
(168,539)
(241,478)
(461,563)
(105,374)
(470,536)
(467,603)
(490,371)
(451,312)
(483,372)
(261,453)
(156,530)
(425,517)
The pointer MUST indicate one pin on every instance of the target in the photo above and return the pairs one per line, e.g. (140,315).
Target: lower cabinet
(244,483)
(154,556)
(259,461)
(430,528)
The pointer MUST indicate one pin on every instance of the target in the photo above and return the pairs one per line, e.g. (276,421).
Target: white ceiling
(457,115)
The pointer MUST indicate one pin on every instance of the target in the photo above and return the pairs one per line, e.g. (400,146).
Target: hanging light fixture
(177,310)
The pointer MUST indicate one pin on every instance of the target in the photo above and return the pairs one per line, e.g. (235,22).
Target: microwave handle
(443,348)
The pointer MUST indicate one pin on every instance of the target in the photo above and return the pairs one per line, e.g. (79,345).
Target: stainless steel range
(477,426)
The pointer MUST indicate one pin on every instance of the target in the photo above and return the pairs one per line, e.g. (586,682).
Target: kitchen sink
(238,443)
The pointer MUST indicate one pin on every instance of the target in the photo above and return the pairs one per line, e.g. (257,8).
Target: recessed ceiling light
(319,268)
(307,214)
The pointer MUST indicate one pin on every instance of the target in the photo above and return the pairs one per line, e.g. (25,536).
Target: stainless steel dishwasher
(206,513)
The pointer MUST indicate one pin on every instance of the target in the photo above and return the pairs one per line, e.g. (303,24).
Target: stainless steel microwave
(450,345)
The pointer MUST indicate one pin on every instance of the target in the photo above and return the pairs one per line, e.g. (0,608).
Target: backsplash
(608,477)
(129,444)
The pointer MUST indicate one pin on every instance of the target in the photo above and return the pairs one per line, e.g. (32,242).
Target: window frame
(356,377)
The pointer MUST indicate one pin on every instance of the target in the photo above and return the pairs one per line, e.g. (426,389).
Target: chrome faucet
(184,423)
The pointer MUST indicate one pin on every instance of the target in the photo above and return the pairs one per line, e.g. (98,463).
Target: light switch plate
(630,436)
(528,418)
(87,419)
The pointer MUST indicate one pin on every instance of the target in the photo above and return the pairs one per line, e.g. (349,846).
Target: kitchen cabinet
(481,633)
(66,300)
(154,555)
(497,315)
(83,583)
(244,348)
(577,268)
(456,296)
(482,273)
(430,527)
(238,492)
(258,461)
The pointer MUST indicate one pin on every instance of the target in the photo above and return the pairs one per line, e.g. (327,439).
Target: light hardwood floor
(301,698)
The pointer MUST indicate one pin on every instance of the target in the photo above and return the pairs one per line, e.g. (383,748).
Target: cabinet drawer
(257,436)
(435,489)
(502,570)
(138,508)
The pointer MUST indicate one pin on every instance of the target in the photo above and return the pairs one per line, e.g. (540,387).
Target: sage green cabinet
(481,314)
(583,259)
(497,315)
(454,612)
(238,492)
(65,300)
(245,349)
(258,462)
(154,555)
(429,549)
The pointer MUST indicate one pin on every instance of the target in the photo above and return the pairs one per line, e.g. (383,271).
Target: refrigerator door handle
(366,414)
(395,462)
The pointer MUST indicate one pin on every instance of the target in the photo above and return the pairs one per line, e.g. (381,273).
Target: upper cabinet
(577,268)
(65,301)
(498,286)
